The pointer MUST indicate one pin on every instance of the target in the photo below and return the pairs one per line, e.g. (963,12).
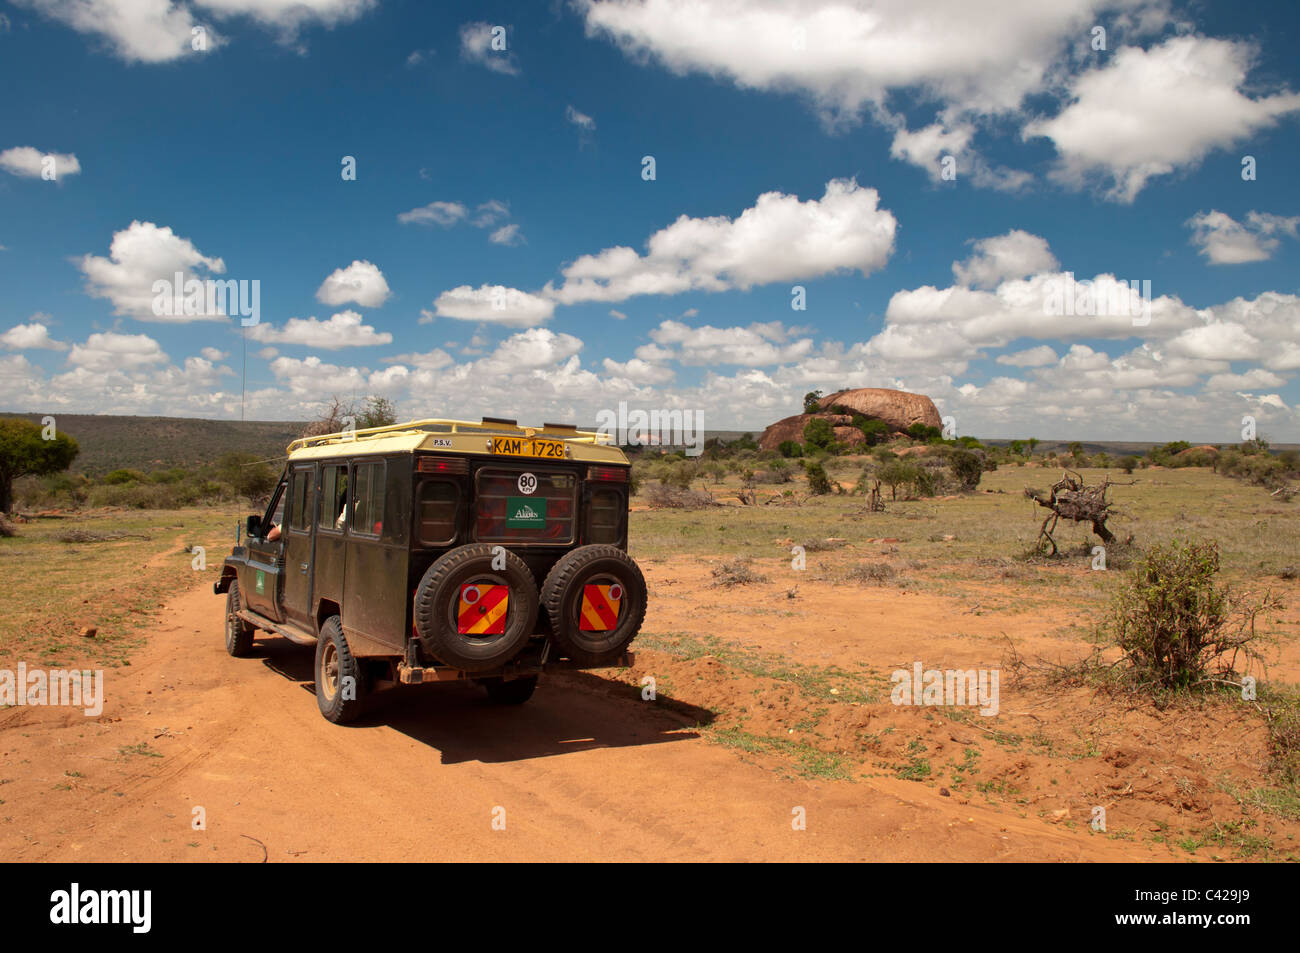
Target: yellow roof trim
(451,436)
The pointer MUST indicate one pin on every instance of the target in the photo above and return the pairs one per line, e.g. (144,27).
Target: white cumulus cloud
(359,283)
(345,329)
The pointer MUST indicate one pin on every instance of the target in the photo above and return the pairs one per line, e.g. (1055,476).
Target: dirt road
(584,771)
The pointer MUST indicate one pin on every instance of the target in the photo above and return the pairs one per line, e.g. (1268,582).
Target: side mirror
(254,529)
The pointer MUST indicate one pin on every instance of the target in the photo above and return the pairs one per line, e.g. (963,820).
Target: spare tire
(483,636)
(593,626)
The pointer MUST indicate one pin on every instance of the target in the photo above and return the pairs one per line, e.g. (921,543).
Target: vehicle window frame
(268,518)
(328,524)
(351,522)
(309,470)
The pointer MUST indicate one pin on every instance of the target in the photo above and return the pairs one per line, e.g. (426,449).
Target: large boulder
(791,428)
(897,408)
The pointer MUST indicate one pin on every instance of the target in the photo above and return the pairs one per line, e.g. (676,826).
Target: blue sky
(513,177)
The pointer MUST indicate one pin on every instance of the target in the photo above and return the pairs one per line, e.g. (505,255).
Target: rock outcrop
(791,428)
(897,408)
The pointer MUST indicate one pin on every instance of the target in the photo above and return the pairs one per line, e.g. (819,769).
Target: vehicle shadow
(570,711)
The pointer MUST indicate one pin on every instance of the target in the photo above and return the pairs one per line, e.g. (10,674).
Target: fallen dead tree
(1070,499)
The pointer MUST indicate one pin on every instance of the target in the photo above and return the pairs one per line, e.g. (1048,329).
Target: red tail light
(608,474)
(442,465)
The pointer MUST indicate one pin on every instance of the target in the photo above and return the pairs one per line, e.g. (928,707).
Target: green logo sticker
(524,512)
(261,582)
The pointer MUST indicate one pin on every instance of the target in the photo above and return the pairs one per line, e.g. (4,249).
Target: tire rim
(598,579)
(329,670)
(480,580)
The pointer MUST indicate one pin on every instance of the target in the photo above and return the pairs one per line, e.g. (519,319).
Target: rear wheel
(596,599)
(514,692)
(239,634)
(339,679)
(458,614)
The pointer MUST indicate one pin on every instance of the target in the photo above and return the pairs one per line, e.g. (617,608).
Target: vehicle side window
(301,499)
(368,499)
(604,516)
(334,495)
(439,501)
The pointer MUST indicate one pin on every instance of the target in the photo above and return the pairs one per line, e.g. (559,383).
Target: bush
(679,473)
(1175,626)
(789,448)
(818,482)
(123,477)
(660,496)
(897,473)
(736,572)
(876,431)
(872,572)
(967,467)
(818,433)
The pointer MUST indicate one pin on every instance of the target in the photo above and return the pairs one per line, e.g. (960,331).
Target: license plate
(528,447)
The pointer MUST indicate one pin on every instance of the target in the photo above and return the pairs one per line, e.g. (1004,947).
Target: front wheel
(339,688)
(239,634)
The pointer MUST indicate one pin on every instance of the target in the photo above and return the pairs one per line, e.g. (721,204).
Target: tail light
(442,465)
(607,474)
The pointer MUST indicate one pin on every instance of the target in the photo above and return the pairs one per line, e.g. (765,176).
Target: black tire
(514,692)
(239,634)
(437,600)
(334,663)
(562,597)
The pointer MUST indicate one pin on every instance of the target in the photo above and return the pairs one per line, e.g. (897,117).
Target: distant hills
(157,443)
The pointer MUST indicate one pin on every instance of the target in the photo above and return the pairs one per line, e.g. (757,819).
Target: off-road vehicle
(440,550)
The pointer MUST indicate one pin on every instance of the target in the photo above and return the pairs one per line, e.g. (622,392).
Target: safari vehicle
(441,550)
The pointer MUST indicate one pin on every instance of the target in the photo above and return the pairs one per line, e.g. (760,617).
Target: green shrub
(818,482)
(967,467)
(897,473)
(789,448)
(1176,627)
(876,431)
(123,477)
(818,433)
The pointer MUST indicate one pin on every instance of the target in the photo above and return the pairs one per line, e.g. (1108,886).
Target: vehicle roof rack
(447,425)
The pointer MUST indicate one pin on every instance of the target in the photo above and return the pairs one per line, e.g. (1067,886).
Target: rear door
(375,598)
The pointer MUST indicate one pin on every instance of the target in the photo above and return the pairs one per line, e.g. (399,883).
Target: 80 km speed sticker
(527,484)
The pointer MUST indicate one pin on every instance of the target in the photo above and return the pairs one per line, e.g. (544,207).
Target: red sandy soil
(589,771)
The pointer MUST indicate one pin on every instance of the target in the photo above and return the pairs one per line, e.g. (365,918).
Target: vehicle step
(290,632)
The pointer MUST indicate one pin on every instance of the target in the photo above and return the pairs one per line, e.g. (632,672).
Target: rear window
(524,506)
(605,516)
(439,501)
